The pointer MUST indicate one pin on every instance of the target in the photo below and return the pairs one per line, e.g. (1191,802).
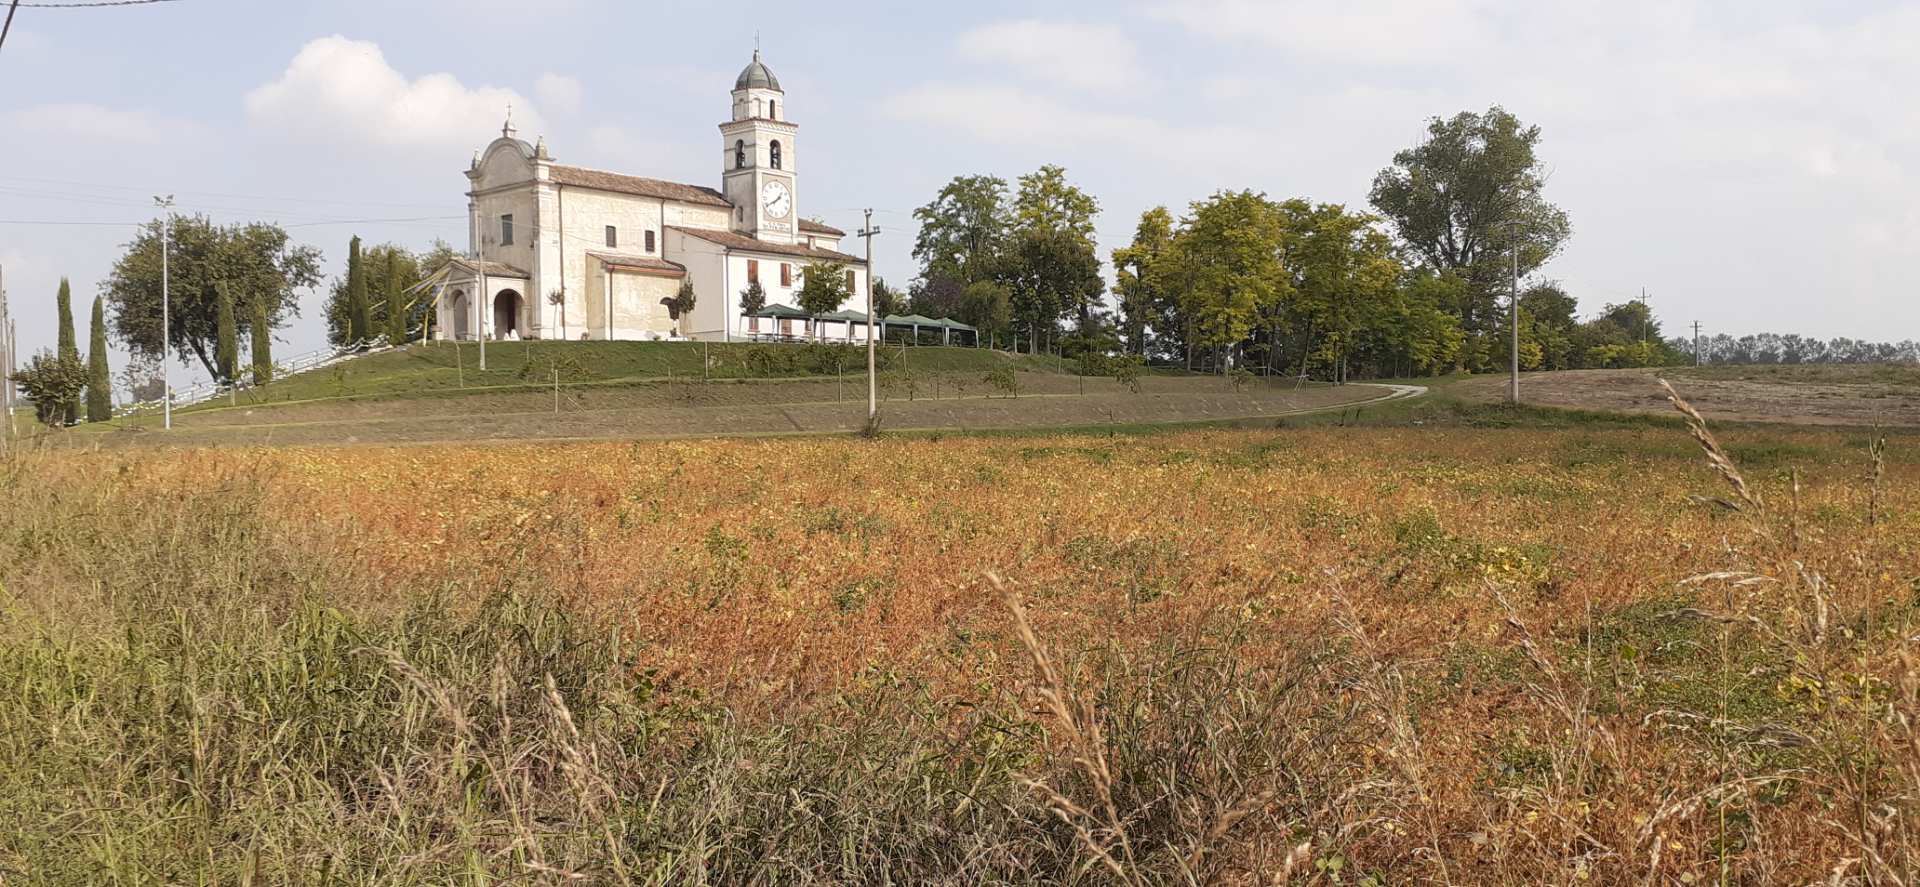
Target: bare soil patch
(1809,395)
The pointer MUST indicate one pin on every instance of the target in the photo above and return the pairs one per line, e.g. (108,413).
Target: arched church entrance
(457,306)
(506,314)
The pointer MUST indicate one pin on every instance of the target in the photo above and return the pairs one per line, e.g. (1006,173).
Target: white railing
(319,358)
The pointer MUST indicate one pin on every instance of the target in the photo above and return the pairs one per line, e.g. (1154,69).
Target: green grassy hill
(446,367)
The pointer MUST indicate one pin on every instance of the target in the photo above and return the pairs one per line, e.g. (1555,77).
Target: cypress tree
(226,342)
(69,347)
(262,351)
(396,306)
(99,380)
(358,325)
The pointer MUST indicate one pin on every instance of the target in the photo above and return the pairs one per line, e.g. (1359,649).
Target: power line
(93,5)
(100,186)
(8,27)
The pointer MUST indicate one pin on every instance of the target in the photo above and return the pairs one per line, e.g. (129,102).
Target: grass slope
(445,366)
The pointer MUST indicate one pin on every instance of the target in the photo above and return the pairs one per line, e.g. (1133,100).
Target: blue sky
(1754,165)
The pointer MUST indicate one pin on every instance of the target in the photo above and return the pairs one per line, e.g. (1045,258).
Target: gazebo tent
(781,313)
(952,326)
(847,317)
(911,321)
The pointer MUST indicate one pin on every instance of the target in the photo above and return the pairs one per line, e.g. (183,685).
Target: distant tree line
(1774,348)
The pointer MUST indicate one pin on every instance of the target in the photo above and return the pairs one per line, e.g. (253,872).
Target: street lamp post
(166,310)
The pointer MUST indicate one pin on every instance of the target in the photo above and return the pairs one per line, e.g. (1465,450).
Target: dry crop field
(1329,656)
(1865,395)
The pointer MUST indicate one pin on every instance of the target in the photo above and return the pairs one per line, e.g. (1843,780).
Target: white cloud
(1072,54)
(1354,30)
(344,90)
(558,93)
(1007,115)
(88,123)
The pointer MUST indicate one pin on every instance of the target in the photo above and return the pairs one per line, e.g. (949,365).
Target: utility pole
(6,368)
(481,307)
(166,310)
(1646,314)
(1513,377)
(1698,359)
(873,377)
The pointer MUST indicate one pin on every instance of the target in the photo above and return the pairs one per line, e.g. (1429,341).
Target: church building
(565,252)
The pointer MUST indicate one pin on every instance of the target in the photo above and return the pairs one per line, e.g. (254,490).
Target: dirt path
(1168,401)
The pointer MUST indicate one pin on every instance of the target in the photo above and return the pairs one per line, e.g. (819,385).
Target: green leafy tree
(359,323)
(1467,200)
(1048,275)
(1053,223)
(753,299)
(54,383)
(1142,305)
(1224,267)
(680,304)
(1345,277)
(988,306)
(69,346)
(257,260)
(382,265)
(261,353)
(963,230)
(393,306)
(823,288)
(886,299)
(226,343)
(99,376)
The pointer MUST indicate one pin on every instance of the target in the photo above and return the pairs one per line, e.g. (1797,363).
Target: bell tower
(758,158)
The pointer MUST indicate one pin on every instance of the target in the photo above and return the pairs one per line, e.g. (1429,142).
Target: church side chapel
(565,252)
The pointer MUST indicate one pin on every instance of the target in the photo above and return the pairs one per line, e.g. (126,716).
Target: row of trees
(1015,265)
(223,282)
(59,382)
(1418,285)
(371,303)
(1414,287)
(1774,348)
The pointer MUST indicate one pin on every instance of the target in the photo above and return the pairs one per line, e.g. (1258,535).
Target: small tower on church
(758,157)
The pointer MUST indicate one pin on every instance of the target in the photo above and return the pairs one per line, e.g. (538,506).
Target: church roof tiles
(646,264)
(809,226)
(599,180)
(744,243)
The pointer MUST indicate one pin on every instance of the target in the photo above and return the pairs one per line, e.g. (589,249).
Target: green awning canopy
(783,311)
(846,316)
(908,320)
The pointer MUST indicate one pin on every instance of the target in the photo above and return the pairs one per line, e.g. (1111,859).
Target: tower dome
(756,76)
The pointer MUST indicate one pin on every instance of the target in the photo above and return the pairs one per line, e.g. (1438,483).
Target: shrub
(54,383)
(1003,380)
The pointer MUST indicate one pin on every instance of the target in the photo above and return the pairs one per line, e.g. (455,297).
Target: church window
(850,286)
(786,274)
(753,270)
(649,241)
(613,237)
(773,110)
(739,153)
(776,154)
(506,230)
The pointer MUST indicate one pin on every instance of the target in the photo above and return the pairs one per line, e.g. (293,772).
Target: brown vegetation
(1326,656)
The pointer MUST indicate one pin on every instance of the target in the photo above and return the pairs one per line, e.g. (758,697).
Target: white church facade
(565,252)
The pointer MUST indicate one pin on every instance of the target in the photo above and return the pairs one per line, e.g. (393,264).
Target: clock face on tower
(777,199)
